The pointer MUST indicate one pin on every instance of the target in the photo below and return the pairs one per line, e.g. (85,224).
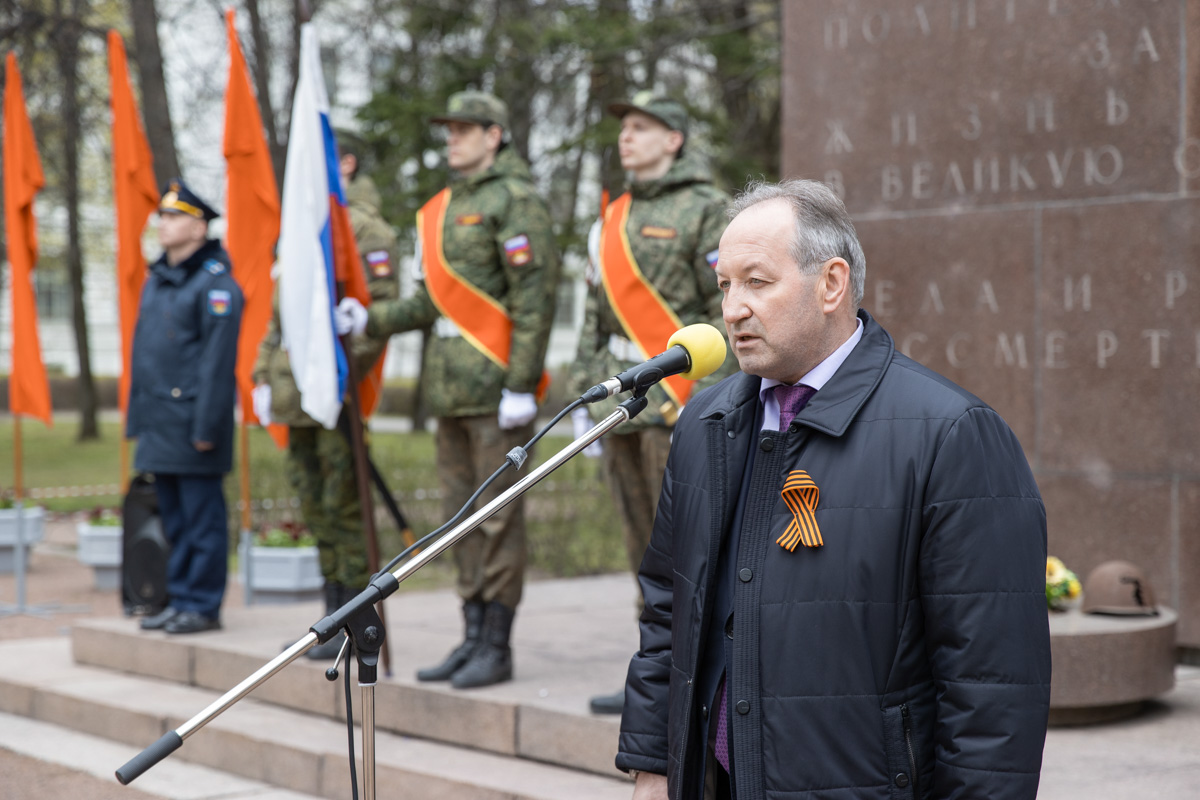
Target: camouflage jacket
(377,248)
(685,217)
(486,211)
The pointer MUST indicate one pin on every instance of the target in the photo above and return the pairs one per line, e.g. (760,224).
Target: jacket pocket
(174,406)
(903,753)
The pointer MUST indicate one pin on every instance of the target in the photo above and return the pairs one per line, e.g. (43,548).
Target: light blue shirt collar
(817,377)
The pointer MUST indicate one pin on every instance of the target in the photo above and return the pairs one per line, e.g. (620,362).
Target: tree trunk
(609,84)
(262,85)
(155,110)
(750,99)
(301,13)
(67,41)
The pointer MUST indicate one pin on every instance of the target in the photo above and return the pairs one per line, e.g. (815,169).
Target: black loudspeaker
(144,566)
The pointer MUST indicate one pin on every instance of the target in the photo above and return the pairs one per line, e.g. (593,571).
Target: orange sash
(482,321)
(646,317)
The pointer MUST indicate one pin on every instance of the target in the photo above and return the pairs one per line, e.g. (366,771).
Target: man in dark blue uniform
(181,404)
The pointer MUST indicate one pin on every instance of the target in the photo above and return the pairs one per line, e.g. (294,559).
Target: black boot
(473,619)
(336,596)
(492,660)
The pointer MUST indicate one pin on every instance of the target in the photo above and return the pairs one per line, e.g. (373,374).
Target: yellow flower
(1073,588)
(1055,570)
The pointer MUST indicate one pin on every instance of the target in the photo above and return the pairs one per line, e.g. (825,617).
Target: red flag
(28,388)
(253,214)
(136,198)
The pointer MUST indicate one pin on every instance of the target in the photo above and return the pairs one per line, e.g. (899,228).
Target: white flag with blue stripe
(307,288)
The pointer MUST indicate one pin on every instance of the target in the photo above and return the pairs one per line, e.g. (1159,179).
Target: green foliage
(558,64)
(104,517)
(285,534)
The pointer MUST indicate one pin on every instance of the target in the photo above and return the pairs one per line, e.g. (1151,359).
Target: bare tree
(65,41)
(262,84)
(155,110)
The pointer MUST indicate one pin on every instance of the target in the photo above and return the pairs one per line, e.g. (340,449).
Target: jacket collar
(182,271)
(832,409)
(685,171)
(507,165)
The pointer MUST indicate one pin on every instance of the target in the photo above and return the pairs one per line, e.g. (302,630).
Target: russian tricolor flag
(316,246)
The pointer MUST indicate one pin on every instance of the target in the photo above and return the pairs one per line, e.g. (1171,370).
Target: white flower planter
(32,531)
(100,547)
(282,574)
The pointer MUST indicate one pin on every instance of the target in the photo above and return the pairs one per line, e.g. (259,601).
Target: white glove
(350,317)
(260,398)
(516,409)
(592,275)
(581,423)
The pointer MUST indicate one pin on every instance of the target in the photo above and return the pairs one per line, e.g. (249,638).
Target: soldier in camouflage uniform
(320,463)
(496,239)
(676,218)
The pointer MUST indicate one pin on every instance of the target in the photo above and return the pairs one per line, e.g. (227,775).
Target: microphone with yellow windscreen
(705,346)
(693,352)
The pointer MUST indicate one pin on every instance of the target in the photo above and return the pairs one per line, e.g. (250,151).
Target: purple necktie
(791,399)
(721,745)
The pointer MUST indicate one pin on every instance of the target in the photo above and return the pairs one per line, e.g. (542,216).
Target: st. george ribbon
(693,352)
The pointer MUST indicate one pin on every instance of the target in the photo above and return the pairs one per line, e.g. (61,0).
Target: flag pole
(18,478)
(19,505)
(22,554)
(123,449)
(245,537)
(244,468)
(362,478)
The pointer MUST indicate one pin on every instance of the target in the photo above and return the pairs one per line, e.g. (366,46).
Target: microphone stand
(361,621)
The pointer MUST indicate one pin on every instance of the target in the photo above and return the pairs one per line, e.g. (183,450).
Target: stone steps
(530,738)
(84,755)
(300,752)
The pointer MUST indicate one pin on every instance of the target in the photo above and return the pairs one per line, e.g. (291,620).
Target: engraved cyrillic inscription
(1176,286)
(838,141)
(1001,102)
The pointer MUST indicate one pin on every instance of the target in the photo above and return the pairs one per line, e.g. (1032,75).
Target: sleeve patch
(518,250)
(658,232)
(711,258)
(380,262)
(220,301)
(215,267)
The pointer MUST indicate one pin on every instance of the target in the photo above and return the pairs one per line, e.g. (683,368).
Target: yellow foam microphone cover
(705,346)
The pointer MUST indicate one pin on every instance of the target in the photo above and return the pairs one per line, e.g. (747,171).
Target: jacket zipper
(912,757)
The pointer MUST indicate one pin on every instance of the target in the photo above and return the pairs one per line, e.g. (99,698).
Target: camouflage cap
(478,107)
(664,109)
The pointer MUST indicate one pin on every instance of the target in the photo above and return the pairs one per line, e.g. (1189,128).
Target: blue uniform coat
(907,657)
(184,352)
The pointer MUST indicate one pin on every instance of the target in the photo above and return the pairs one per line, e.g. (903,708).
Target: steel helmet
(1118,587)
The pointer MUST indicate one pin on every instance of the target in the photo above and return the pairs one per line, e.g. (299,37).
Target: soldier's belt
(445,328)
(623,349)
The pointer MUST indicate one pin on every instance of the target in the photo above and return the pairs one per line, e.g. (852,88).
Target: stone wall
(1025,177)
